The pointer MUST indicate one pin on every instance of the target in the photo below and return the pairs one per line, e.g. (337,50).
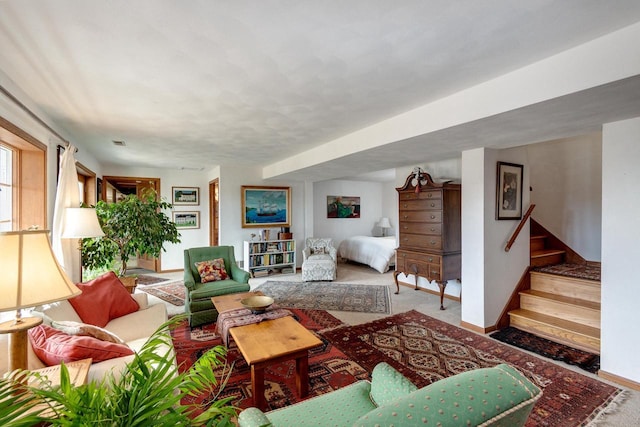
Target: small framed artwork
(266,206)
(185,220)
(509,191)
(185,196)
(343,207)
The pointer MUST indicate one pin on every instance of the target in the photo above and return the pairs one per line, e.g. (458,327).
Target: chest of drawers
(429,226)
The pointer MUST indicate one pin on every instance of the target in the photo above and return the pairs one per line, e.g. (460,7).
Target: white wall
(232,178)
(566,177)
(620,348)
(371,201)
(489,274)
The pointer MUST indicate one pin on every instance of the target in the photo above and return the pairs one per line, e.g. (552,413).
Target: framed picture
(343,207)
(185,220)
(185,196)
(266,206)
(509,191)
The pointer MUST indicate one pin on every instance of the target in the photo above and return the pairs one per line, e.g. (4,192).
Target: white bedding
(376,252)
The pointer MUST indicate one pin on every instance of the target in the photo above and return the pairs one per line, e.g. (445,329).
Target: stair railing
(524,219)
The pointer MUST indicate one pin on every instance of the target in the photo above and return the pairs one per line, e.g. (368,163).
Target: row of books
(271,259)
(264,247)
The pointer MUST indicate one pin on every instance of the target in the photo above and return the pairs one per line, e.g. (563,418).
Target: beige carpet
(627,414)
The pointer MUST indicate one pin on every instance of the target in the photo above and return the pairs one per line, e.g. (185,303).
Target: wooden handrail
(515,233)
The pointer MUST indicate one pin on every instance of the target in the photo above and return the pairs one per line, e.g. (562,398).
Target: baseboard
(477,329)
(429,291)
(619,380)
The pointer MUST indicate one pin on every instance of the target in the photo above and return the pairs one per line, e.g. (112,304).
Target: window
(23,198)
(6,189)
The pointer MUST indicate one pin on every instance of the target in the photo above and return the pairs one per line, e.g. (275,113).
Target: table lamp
(29,276)
(81,223)
(384,224)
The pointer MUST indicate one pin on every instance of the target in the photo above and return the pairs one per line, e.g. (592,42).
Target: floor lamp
(81,223)
(29,276)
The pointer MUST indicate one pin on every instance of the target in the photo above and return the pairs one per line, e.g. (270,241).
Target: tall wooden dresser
(430,236)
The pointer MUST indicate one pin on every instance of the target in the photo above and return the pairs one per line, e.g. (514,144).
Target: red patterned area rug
(329,368)
(426,350)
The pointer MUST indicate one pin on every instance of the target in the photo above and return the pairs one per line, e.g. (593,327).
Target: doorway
(214,217)
(116,187)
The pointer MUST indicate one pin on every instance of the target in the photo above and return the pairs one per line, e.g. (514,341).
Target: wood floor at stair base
(587,339)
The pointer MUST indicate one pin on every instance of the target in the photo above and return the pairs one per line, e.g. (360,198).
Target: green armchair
(197,304)
(497,396)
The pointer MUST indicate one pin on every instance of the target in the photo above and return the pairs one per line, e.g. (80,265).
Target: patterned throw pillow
(318,251)
(76,328)
(211,271)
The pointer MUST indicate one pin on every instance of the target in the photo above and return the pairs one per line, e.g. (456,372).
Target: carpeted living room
(408,331)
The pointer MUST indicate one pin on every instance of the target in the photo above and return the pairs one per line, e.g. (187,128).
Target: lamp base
(18,341)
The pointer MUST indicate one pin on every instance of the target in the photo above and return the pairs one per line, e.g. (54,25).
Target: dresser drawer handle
(433,205)
(433,229)
(405,217)
(433,243)
(406,228)
(429,195)
(405,205)
(433,217)
(430,259)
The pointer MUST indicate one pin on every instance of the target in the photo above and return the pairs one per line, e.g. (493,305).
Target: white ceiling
(193,84)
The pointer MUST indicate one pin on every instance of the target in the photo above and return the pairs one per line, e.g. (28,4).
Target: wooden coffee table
(270,342)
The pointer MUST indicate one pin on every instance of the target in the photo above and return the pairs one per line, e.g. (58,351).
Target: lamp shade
(29,272)
(81,223)
(384,223)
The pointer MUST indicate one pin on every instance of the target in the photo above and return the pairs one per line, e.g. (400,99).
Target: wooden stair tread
(558,322)
(582,280)
(546,252)
(563,299)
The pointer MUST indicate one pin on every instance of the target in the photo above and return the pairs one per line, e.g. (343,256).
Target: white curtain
(67,196)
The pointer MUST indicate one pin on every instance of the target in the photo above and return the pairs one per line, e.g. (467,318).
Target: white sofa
(133,329)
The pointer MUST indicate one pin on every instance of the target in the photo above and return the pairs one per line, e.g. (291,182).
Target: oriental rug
(329,296)
(144,280)
(588,361)
(329,368)
(173,292)
(579,271)
(426,350)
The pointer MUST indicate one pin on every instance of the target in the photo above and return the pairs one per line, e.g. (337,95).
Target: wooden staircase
(560,308)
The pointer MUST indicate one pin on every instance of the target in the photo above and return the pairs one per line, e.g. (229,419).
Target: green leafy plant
(133,225)
(149,392)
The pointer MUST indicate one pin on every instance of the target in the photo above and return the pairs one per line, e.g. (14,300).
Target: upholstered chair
(198,294)
(320,260)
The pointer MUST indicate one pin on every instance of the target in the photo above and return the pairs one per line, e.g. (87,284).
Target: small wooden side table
(78,372)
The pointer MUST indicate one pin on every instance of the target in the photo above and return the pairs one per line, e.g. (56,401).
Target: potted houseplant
(133,225)
(149,392)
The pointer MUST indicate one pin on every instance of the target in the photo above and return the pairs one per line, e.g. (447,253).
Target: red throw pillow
(211,271)
(103,299)
(53,347)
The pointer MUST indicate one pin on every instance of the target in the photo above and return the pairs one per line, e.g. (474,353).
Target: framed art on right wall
(509,191)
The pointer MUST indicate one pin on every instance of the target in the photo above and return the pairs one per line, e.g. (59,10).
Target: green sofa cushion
(339,408)
(387,384)
(489,396)
(214,289)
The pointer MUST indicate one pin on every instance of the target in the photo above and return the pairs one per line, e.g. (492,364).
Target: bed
(376,252)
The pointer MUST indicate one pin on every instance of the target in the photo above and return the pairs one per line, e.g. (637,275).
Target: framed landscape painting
(509,191)
(343,207)
(185,196)
(266,206)
(185,220)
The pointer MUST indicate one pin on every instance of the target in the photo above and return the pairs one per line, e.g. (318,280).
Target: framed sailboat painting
(266,206)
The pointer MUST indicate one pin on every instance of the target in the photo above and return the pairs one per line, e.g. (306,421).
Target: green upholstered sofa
(497,396)
(198,295)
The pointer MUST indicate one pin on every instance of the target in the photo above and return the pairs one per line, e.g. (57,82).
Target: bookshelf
(270,256)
